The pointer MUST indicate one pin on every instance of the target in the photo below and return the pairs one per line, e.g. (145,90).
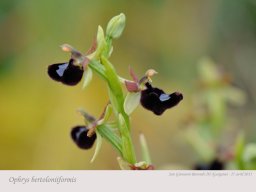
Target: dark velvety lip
(66,73)
(157,101)
(179,94)
(79,136)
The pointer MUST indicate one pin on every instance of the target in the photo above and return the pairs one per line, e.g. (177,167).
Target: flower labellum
(67,73)
(79,136)
(157,101)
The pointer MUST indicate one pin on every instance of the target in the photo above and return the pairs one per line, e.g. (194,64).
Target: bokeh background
(171,36)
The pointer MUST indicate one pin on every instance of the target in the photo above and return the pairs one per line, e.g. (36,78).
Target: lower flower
(79,136)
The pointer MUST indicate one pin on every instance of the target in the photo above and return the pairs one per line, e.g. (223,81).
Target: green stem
(97,67)
(117,98)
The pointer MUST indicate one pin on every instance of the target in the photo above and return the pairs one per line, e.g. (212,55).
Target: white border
(132,181)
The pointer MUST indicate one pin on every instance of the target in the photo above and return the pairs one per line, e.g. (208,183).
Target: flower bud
(116,26)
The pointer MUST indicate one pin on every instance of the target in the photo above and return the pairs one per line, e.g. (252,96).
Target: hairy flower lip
(79,136)
(157,101)
(180,95)
(67,73)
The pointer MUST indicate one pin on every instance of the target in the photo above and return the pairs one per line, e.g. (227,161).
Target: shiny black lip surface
(157,101)
(67,73)
(79,136)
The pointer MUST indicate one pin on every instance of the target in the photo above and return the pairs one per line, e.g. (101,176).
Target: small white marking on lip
(61,69)
(164,97)
(81,130)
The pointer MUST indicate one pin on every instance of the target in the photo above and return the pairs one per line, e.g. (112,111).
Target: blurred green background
(171,36)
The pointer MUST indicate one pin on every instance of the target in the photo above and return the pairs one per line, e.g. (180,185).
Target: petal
(131,86)
(87,77)
(132,74)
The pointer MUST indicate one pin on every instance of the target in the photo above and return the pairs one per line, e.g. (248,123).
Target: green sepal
(132,100)
(101,43)
(87,77)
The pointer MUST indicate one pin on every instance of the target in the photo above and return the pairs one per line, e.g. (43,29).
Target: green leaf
(144,149)
(98,146)
(87,77)
(131,101)
(111,137)
(113,125)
